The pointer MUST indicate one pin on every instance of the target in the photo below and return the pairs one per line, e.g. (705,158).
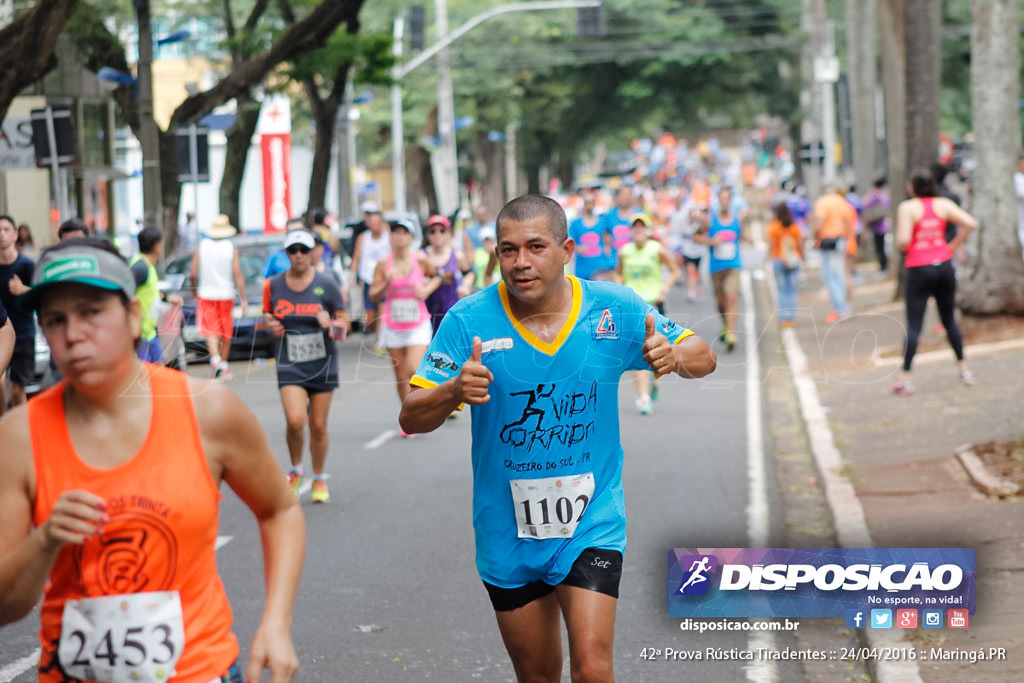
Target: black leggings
(883,259)
(924,282)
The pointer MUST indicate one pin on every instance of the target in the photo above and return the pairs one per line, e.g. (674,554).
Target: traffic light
(590,22)
(417,18)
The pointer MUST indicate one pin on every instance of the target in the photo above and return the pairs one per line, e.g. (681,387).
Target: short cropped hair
(149,238)
(531,207)
(72,225)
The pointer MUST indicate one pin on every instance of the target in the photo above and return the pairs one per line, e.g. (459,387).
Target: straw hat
(221,228)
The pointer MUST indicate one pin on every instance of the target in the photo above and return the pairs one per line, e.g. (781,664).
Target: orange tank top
(163,505)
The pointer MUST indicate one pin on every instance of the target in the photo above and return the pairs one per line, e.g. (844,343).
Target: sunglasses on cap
(298,249)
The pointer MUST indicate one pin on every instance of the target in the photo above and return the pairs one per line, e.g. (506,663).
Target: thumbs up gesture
(657,350)
(474,381)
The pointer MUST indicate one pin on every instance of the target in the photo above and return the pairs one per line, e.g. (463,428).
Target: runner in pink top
(928,242)
(920,234)
(404,280)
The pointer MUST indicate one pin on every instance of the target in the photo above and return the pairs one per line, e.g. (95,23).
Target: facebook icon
(854,618)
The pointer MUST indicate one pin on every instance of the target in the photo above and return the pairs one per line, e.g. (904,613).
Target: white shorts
(399,339)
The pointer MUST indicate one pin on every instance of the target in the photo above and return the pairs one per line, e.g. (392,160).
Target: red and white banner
(276,147)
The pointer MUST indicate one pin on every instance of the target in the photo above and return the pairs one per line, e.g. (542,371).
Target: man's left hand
(657,350)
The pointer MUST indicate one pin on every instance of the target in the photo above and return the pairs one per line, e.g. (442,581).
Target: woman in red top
(920,234)
(117,533)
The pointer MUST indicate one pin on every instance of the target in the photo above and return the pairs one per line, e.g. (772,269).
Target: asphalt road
(390,590)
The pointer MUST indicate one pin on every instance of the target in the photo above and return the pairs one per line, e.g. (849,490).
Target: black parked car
(251,338)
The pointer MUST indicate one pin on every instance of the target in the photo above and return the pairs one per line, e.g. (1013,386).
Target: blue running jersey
(727,254)
(547,462)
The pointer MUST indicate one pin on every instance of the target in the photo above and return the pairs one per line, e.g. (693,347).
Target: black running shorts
(595,570)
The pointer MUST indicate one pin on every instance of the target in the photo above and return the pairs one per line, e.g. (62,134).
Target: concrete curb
(847,512)
(982,477)
(944,355)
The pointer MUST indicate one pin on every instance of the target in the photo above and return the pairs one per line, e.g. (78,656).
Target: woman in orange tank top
(117,535)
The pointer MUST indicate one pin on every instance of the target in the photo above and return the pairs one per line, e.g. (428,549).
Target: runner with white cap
(305,308)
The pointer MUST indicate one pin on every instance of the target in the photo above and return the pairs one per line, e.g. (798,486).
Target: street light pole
(149,136)
(446,169)
(400,71)
(397,127)
(346,158)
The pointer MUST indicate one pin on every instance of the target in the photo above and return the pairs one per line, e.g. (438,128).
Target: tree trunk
(170,190)
(27,45)
(891,29)
(325,113)
(490,169)
(236,153)
(565,172)
(420,180)
(812,22)
(993,281)
(923,58)
(532,179)
(860,45)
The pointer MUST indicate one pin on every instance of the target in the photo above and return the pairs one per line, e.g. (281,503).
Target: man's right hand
(474,381)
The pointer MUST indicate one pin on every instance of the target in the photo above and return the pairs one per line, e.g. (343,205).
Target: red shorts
(214,319)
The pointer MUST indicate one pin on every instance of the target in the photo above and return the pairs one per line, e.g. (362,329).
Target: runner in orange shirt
(831,223)
(117,534)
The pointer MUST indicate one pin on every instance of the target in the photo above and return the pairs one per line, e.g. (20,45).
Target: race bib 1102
(552,507)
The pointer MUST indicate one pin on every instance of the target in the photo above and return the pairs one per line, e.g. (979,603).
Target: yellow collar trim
(549,348)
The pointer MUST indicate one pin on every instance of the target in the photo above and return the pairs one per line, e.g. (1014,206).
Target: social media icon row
(906,618)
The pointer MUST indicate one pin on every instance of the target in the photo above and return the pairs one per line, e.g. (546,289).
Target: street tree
(324,74)
(993,281)
(922,55)
(98,47)
(27,45)
(242,43)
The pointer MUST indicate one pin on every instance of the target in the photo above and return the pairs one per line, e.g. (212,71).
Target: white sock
(216,361)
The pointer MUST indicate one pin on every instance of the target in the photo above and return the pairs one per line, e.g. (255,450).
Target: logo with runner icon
(696,580)
(607,326)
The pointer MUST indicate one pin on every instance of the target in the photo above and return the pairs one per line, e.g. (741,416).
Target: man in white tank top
(217,274)
(371,246)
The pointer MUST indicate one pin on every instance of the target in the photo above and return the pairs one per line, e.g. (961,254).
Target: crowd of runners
(501,316)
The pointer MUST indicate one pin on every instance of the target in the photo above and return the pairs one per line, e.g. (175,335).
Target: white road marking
(757,505)
(16,668)
(379,440)
(759,670)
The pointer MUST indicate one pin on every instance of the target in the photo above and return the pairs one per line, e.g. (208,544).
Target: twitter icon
(881,618)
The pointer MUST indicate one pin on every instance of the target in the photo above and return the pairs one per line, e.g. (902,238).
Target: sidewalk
(898,453)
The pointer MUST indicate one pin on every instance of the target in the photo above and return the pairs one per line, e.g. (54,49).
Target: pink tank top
(402,309)
(928,241)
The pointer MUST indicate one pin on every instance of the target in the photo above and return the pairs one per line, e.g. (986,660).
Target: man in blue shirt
(278,261)
(616,222)
(593,245)
(539,356)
